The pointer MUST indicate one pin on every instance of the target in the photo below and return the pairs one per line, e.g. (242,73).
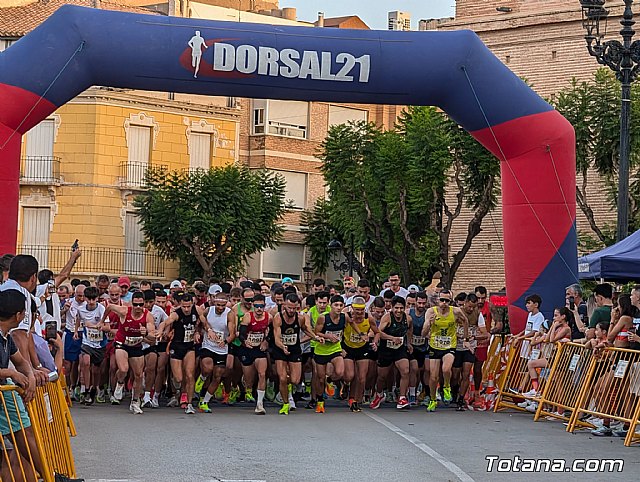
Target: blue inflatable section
(79,47)
(143,52)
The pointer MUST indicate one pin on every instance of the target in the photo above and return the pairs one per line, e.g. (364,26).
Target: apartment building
(82,166)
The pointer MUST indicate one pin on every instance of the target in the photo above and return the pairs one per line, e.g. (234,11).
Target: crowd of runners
(246,341)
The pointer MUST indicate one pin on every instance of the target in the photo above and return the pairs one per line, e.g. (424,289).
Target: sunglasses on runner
(258,305)
(445,300)
(139,305)
(248,300)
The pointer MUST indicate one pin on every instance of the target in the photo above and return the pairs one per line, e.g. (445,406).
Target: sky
(372,12)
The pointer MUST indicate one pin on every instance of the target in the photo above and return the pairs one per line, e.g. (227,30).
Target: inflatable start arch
(80,47)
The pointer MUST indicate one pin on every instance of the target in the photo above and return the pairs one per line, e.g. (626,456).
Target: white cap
(215,289)
(413,288)
(175,284)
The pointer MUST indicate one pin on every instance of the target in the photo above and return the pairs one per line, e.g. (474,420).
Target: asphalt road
(234,444)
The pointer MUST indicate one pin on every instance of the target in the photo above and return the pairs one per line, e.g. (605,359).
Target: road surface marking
(450,466)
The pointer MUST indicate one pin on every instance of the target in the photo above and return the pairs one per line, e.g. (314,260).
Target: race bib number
(442,342)
(574,362)
(394,344)
(219,336)
(133,340)
(621,368)
(188,334)
(418,340)
(94,335)
(290,340)
(255,339)
(337,334)
(355,337)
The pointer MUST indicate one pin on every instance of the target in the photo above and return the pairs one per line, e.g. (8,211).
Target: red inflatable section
(538,195)
(12,103)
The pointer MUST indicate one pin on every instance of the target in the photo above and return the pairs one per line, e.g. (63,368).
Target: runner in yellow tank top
(358,350)
(441,326)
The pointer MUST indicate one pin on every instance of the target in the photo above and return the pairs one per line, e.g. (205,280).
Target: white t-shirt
(159,315)
(534,322)
(91,336)
(401,292)
(72,312)
(218,323)
(25,324)
(55,304)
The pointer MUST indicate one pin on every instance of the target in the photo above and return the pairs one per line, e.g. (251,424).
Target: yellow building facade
(83,166)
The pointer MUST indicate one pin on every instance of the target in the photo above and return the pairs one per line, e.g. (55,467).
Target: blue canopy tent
(620,261)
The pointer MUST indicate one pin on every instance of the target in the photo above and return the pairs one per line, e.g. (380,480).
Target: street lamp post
(307,271)
(350,263)
(624,59)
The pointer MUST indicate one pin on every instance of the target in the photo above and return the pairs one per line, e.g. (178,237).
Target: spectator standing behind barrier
(46,292)
(577,305)
(535,319)
(22,277)
(622,317)
(12,313)
(5,262)
(602,293)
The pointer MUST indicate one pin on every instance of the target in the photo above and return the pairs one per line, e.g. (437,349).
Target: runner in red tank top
(253,352)
(110,366)
(135,324)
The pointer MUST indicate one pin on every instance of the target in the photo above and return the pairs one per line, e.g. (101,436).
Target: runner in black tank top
(395,328)
(287,352)
(183,323)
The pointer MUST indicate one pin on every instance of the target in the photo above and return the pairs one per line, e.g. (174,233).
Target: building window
(341,115)
(36,225)
(259,109)
(5,43)
(296,188)
(280,117)
(134,254)
(285,261)
(199,150)
(39,161)
(139,154)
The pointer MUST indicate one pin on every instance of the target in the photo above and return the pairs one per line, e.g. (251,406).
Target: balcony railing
(95,260)
(133,173)
(40,170)
(288,130)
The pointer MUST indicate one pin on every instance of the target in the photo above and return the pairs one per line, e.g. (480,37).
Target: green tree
(213,220)
(390,191)
(593,108)
(318,232)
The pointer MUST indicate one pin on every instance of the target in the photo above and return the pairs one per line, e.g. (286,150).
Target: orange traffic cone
(491,387)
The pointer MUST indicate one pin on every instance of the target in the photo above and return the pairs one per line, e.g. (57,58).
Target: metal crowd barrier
(515,381)
(17,462)
(566,379)
(492,363)
(611,390)
(51,426)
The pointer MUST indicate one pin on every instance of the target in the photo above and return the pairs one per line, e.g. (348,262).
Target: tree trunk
(581,198)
